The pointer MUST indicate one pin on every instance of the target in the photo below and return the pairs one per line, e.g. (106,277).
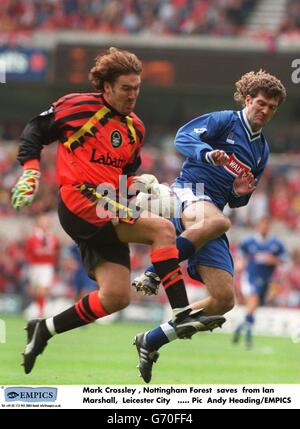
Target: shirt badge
(116,139)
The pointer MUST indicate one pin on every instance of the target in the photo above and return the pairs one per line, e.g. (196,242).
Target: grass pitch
(104,354)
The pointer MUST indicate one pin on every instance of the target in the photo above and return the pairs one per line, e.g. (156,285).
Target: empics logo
(30,394)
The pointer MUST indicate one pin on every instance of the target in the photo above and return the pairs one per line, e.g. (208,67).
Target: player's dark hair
(111,64)
(254,82)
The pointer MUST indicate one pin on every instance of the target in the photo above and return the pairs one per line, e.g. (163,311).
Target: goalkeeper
(100,140)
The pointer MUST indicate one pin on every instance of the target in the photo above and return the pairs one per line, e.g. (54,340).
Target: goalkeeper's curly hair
(254,82)
(111,64)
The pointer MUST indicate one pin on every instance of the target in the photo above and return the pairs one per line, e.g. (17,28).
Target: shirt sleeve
(197,137)
(39,132)
(282,252)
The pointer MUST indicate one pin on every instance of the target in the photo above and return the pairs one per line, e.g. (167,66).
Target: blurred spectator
(41,252)
(291,21)
(80,281)
(261,254)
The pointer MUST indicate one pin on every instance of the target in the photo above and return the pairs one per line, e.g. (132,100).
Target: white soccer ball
(161,201)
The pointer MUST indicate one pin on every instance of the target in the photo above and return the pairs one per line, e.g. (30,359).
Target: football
(162,201)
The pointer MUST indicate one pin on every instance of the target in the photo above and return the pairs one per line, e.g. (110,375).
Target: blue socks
(160,336)
(165,333)
(249,319)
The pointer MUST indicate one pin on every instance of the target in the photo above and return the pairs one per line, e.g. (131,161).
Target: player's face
(259,110)
(123,93)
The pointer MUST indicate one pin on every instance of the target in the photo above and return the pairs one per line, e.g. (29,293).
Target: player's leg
(201,222)
(41,294)
(219,284)
(41,278)
(114,295)
(252,302)
(213,266)
(220,300)
(104,257)
(252,295)
(161,235)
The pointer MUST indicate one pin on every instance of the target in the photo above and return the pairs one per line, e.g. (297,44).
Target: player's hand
(145,182)
(25,189)
(217,157)
(244,184)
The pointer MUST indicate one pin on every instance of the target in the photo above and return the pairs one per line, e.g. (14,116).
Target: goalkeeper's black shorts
(94,242)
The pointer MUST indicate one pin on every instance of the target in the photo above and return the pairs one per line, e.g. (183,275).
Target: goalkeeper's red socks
(165,263)
(85,311)
(185,248)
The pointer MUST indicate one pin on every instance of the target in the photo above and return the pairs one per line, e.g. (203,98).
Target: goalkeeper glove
(25,189)
(145,181)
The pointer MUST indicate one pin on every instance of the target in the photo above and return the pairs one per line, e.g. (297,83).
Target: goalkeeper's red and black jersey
(96,143)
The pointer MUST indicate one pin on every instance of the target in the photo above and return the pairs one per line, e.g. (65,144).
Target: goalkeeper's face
(123,93)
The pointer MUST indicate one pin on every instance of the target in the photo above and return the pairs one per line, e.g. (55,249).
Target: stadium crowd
(291,22)
(220,17)
(164,17)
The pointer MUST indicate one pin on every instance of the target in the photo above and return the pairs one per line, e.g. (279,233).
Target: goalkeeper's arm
(38,132)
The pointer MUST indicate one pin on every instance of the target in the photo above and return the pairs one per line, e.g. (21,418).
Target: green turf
(104,354)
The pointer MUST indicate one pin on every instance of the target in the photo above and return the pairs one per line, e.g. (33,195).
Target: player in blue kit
(261,254)
(226,154)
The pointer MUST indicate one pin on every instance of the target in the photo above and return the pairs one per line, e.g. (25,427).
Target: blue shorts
(214,254)
(254,285)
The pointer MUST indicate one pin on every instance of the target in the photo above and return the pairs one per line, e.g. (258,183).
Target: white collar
(251,135)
